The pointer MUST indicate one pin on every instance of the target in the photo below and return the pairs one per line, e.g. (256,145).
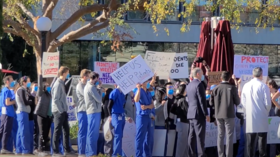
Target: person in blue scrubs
(13,139)
(152,128)
(116,109)
(7,116)
(144,106)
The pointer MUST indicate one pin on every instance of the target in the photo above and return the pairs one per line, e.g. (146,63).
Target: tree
(16,14)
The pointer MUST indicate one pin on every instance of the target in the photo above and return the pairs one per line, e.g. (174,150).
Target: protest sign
(173,65)
(273,124)
(133,72)
(128,140)
(50,64)
(214,78)
(71,109)
(246,78)
(244,65)
(104,69)
(159,142)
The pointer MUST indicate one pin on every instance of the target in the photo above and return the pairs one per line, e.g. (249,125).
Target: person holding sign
(255,98)
(93,100)
(143,119)
(116,111)
(82,115)
(224,97)
(197,112)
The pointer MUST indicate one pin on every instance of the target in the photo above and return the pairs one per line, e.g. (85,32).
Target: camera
(198,60)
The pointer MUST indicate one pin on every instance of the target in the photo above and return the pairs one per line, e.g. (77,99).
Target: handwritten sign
(50,64)
(214,78)
(133,72)
(273,124)
(71,109)
(104,69)
(173,65)
(246,78)
(128,140)
(244,65)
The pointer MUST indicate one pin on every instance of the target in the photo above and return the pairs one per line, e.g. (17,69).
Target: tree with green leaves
(17,13)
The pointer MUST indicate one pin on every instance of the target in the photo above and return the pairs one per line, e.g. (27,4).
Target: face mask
(88,79)
(97,83)
(207,96)
(103,94)
(68,76)
(170,91)
(28,85)
(202,78)
(165,97)
(148,85)
(152,93)
(36,88)
(12,84)
(49,89)
(134,90)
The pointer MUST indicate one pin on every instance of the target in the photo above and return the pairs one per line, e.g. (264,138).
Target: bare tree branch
(49,9)
(75,17)
(24,9)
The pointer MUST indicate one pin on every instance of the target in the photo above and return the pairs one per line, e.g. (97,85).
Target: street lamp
(44,25)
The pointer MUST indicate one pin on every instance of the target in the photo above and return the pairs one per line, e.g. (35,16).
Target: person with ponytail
(23,109)
(7,114)
(44,115)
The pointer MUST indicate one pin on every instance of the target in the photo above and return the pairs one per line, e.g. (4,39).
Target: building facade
(82,53)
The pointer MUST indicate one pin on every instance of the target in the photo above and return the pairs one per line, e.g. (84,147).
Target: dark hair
(93,75)
(273,84)
(7,78)
(107,94)
(182,89)
(225,76)
(159,93)
(168,83)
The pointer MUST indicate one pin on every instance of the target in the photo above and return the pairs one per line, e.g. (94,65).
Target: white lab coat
(256,101)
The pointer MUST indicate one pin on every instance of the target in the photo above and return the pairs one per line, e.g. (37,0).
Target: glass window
(70,57)
(136,15)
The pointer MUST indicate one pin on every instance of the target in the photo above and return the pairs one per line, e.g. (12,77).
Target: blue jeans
(82,134)
(92,133)
(242,141)
(23,134)
(118,122)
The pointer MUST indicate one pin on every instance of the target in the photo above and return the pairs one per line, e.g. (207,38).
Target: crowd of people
(30,110)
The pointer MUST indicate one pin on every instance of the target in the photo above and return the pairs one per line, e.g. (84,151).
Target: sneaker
(35,151)
(71,153)
(58,155)
(82,155)
(43,154)
(4,151)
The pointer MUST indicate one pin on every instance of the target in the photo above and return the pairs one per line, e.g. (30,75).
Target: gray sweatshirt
(23,104)
(159,118)
(93,98)
(59,97)
(80,94)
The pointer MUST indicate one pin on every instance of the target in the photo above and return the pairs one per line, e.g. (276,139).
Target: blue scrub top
(145,99)
(119,100)
(7,93)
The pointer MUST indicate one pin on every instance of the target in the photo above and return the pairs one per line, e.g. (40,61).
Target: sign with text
(214,78)
(244,65)
(133,72)
(246,78)
(50,64)
(71,109)
(128,140)
(173,65)
(104,69)
(273,124)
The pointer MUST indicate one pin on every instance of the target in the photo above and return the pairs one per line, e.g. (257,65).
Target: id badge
(178,120)
(119,117)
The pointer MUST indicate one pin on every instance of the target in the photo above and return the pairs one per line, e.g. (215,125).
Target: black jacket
(180,108)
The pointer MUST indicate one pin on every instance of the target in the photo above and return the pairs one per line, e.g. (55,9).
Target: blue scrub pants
(118,122)
(31,129)
(82,134)
(23,134)
(92,133)
(12,140)
(151,137)
(143,131)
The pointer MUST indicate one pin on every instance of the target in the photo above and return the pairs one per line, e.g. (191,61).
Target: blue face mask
(28,85)
(49,89)
(134,90)
(202,78)
(208,96)
(148,85)
(170,91)
(97,83)
(68,76)
(276,99)
(12,84)
(152,93)
(36,88)
(103,94)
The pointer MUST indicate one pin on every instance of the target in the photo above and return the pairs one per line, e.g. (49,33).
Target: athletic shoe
(4,151)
